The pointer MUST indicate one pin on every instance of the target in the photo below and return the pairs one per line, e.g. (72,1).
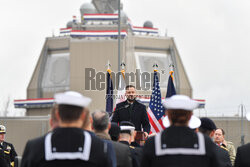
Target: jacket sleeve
(237,159)
(3,163)
(13,153)
(147,154)
(115,117)
(232,153)
(145,121)
(26,158)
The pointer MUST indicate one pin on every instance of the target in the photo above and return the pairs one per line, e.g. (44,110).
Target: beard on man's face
(131,98)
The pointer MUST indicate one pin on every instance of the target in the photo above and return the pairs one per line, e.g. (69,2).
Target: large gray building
(89,43)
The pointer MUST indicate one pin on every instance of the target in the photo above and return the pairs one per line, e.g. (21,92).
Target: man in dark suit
(101,126)
(242,156)
(132,111)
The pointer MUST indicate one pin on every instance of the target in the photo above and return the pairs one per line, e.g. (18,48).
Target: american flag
(156,109)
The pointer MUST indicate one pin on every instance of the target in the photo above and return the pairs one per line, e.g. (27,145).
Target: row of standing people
(67,144)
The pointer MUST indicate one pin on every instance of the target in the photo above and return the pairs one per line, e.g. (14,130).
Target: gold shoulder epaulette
(224,148)
(132,147)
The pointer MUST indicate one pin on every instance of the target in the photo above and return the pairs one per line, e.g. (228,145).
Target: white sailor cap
(72,98)
(126,127)
(123,128)
(194,122)
(180,102)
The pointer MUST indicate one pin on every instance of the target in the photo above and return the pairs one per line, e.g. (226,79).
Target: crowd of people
(79,137)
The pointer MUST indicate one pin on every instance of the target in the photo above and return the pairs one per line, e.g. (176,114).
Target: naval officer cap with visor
(72,98)
(127,127)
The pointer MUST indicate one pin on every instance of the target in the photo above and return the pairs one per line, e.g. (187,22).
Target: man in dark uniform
(242,156)
(8,148)
(179,145)
(67,145)
(132,111)
(208,128)
(3,163)
(127,135)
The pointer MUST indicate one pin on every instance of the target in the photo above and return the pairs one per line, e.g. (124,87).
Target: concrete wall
(232,128)
(22,129)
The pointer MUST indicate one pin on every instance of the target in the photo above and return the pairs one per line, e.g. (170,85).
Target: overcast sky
(212,37)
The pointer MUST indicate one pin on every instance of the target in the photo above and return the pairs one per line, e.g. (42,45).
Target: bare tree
(6,107)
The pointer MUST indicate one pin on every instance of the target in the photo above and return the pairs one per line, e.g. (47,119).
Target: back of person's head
(207,126)
(69,113)
(179,116)
(127,132)
(114,131)
(179,109)
(71,105)
(100,121)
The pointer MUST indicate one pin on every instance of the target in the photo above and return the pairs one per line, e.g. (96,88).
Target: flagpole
(119,34)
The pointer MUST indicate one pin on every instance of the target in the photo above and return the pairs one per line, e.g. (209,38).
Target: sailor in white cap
(179,145)
(7,148)
(67,145)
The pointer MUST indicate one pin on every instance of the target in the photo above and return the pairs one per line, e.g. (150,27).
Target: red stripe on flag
(153,124)
(160,121)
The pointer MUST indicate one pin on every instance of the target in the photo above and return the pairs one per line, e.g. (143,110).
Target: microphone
(121,108)
(124,107)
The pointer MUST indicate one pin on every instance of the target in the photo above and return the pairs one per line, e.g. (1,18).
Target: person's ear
(50,122)
(109,126)
(83,115)
(212,134)
(57,115)
(189,116)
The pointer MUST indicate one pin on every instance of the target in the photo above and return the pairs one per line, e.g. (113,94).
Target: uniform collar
(103,135)
(124,142)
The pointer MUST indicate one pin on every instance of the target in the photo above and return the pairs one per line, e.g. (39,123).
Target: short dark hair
(223,132)
(179,116)
(205,131)
(130,86)
(69,113)
(100,120)
(114,131)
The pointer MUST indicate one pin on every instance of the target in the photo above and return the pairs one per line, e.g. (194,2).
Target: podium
(140,138)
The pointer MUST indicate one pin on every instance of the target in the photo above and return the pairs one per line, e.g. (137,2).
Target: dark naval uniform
(9,153)
(179,147)
(3,162)
(135,113)
(242,156)
(136,154)
(72,147)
